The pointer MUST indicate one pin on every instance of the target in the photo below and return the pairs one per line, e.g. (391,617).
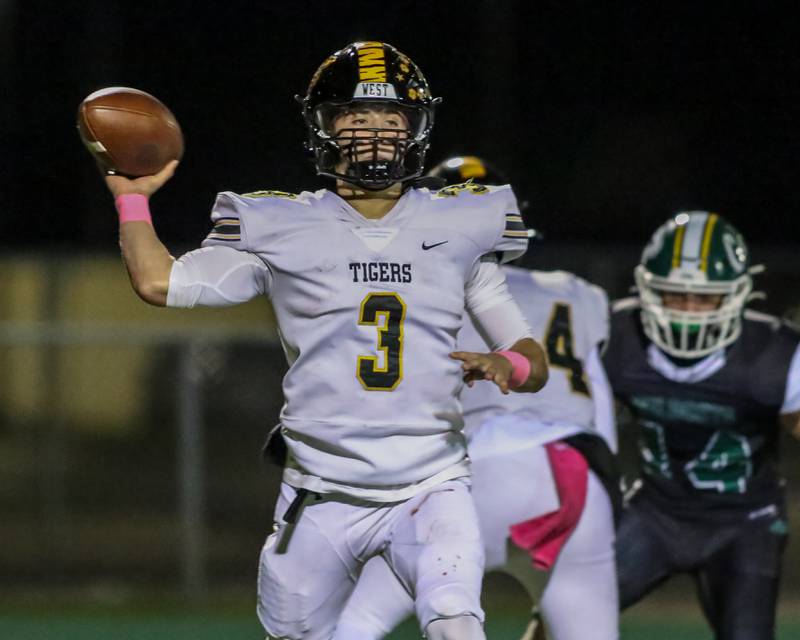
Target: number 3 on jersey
(386,311)
(561,349)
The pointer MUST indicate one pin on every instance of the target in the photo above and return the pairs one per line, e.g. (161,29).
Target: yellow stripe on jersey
(678,247)
(707,234)
(516,234)
(228,229)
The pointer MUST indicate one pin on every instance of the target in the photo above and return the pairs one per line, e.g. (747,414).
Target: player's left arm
(516,361)
(790,410)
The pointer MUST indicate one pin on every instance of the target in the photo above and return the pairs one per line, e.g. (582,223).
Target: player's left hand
(485,366)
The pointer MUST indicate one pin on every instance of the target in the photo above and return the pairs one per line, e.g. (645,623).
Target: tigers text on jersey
(569,318)
(368,312)
(708,432)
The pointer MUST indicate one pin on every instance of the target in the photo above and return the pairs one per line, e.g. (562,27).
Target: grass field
(183,626)
(668,615)
(650,624)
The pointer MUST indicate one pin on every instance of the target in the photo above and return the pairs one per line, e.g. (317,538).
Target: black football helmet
(459,169)
(368,76)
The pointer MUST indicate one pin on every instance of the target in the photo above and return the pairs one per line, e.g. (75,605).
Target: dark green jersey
(709,432)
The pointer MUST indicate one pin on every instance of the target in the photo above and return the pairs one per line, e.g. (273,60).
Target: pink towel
(544,536)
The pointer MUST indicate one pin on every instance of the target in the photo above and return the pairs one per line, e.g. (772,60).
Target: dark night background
(607,117)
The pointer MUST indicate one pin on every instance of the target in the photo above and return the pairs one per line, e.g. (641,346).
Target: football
(129,132)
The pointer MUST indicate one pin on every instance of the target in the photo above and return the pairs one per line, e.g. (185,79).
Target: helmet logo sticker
(737,254)
(371,62)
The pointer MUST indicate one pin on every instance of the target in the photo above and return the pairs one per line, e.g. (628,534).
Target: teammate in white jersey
(369,285)
(544,481)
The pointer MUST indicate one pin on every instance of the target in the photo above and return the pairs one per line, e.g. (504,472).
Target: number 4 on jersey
(560,348)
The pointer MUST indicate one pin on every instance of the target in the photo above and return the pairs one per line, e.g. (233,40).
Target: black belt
(292,515)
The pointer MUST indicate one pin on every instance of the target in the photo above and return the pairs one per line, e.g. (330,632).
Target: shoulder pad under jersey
(270,193)
(243,220)
(489,215)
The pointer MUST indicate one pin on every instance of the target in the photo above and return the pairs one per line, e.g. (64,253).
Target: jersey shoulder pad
(568,285)
(270,193)
(489,215)
(247,221)
(226,220)
(455,190)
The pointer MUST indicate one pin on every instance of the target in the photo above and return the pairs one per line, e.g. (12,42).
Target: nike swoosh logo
(425,247)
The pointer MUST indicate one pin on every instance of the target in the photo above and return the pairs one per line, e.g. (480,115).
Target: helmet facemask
(373,158)
(691,334)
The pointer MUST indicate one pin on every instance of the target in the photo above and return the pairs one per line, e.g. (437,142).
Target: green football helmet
(695,252)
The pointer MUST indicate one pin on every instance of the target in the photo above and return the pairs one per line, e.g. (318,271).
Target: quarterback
(708,383)
(369,283)
(544,478)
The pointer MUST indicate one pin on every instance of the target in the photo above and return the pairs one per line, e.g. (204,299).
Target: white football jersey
(368,311)
(569,318)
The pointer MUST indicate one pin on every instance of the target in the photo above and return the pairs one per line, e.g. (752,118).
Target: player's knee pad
(460,628)
(448,602)
(450,583)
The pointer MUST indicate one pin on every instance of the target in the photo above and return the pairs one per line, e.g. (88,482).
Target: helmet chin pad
(692,328)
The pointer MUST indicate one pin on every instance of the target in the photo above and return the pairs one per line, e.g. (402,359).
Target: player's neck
(370,204)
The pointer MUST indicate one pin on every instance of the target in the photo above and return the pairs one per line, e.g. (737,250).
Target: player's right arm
(147,260)
(217,275)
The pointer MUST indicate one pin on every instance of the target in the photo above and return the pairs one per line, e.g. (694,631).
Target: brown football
(129,132)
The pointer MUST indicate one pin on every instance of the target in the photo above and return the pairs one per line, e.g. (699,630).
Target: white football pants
(430,545)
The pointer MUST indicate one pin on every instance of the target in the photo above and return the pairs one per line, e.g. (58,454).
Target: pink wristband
(521,367)
(133,207)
